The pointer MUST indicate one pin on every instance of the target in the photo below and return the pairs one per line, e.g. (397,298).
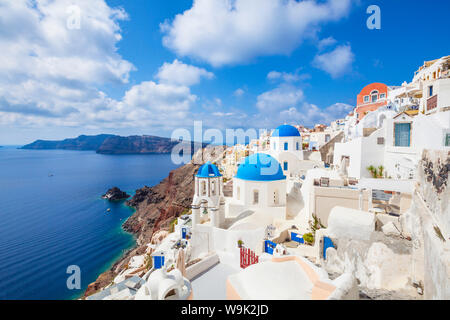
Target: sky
(71,67)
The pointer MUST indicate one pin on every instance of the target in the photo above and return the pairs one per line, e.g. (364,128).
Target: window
(430,91)
(213,188)
(297,146)
(402,134)
(255,196)
(203,188)
(285,146)
(274,146)
(327,138)
(374,95)
(366,99)
(383,96)
(285,165)
(238,196)
(447,140)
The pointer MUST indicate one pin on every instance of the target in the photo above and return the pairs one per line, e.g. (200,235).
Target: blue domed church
(208,203)
(286,147)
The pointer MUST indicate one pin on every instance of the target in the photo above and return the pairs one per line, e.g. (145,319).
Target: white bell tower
(208,201)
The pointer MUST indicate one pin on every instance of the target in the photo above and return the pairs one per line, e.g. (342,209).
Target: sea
(53,220)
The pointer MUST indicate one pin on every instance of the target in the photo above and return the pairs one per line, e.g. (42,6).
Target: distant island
(111,144)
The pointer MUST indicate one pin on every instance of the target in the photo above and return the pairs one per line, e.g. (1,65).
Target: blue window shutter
(402,134)
(285,165)
(285,146)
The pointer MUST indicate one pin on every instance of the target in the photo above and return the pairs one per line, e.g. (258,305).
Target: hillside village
(357,209)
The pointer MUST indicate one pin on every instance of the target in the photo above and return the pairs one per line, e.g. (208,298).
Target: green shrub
(309,238)
(148,262)
(172,225)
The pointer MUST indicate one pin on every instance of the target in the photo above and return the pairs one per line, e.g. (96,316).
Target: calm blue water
(48,223)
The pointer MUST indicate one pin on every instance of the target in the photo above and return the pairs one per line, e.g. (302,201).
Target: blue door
(158,262)
(183,233)
(285,146)
(269,246)
(285,165)
(297,238)
(327,243)
(402,134)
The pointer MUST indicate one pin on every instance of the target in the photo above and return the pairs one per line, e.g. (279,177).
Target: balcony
(432,103)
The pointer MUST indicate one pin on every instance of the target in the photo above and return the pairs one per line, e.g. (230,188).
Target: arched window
(374,95)
(255,196)
(203,188)
(213,188)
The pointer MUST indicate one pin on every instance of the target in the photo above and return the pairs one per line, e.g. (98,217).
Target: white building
(397,145)
(286,148)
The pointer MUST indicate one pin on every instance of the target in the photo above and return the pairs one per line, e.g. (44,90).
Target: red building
(371,98)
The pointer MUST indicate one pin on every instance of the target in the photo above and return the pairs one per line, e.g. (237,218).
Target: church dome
(260,167)
(286,130)
(208,170)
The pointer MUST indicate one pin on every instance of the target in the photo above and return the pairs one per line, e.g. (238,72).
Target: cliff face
(156,207)
(84,143)
(111,144)
(136,144)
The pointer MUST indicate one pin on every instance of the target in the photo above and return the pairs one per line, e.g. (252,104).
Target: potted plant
(240,243)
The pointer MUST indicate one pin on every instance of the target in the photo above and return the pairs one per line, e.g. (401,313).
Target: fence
(248,257)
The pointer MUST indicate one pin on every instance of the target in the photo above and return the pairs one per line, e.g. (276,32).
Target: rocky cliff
(156,207)
(84,143)
(112,144)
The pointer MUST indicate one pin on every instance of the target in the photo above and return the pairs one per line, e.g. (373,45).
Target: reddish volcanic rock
(156,207)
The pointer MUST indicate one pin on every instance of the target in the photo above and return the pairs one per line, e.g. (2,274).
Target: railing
(432,103)
(248,257)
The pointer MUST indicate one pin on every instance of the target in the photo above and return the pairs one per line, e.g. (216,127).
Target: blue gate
(269,246)
(158,262)
(297,237)
(327,243)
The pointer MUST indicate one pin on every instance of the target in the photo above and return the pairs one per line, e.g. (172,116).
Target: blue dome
(208,170)
(286,131)
(260,167)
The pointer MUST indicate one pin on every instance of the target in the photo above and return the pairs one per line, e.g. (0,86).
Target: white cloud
(49,70)
(327,42)
(182,74)
(310,114)
(281,97)
(50,75)
(286,76)
(287,103)
(337,62)
(235,31)
(159,97)
(239,92)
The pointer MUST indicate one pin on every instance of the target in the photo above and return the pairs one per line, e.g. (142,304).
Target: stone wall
(427,223)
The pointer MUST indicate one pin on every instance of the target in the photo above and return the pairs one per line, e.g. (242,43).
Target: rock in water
(115,194)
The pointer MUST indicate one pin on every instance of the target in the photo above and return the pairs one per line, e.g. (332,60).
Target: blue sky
(149,67)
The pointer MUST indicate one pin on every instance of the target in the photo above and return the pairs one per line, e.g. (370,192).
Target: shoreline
(119,257)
